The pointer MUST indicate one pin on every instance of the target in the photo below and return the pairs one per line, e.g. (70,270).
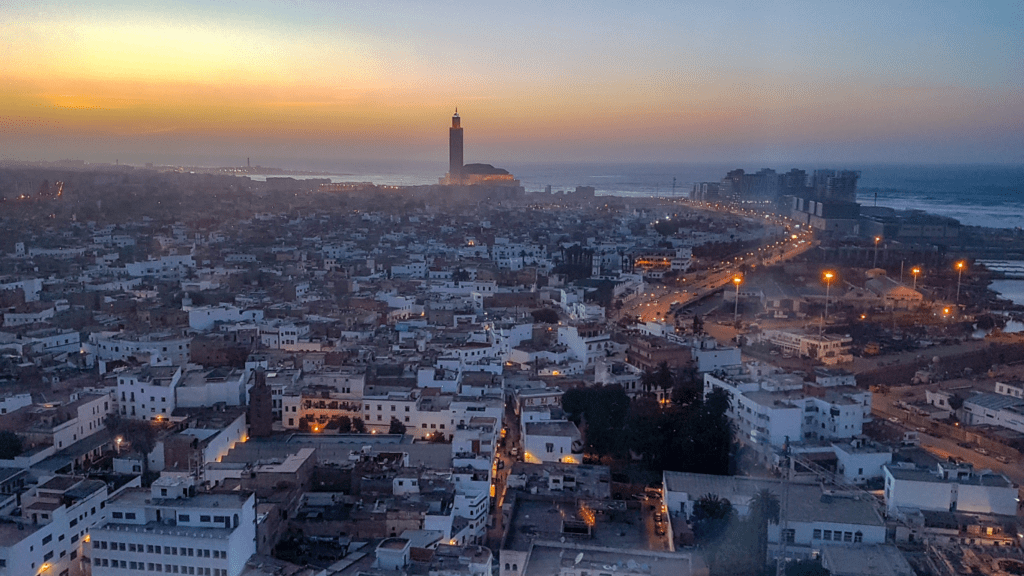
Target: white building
(951,486)
(994,409)
(49,536)
(201,388)
(12,402)
(158,348)
(772,408)
(826,348)
(148,393)
(205,317)
(587,342)
(814,518)
(170,526)
(552,441)
(172,266)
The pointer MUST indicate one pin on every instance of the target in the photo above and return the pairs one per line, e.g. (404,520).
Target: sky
(300,83)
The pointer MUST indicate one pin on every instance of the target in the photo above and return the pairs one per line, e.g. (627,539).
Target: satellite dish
(579,558)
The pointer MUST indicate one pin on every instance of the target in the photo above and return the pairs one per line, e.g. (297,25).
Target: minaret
(455,149)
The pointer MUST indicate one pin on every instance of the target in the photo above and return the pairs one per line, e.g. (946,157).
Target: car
(1003,459)
(515,451)
(894,420)
(921,429)
(981,451)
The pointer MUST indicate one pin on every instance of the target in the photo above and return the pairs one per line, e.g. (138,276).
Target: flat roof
(930,475)
(552,428)
(552,557)
(143,497)
(14,531)
(873,560)
(806,502)
(542,519)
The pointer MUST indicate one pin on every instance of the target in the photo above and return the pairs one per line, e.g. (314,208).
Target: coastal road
(655,304)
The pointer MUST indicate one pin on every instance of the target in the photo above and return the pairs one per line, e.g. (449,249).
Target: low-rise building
(950,486)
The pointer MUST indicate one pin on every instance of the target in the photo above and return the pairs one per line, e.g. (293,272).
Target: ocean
(976,195)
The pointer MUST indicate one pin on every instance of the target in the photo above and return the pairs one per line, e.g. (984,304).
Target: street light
(915,271)
(959,274)
(736,312)
(829,275)
(877,240)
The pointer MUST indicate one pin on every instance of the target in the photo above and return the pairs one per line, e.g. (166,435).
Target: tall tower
(261,407)
(455,149)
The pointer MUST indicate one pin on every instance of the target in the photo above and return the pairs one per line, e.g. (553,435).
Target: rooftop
(554,557)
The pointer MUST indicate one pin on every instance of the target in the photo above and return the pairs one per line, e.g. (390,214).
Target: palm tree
(764,508)
(710,517)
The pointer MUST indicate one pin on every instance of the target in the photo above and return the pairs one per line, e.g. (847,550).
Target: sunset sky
(212,82)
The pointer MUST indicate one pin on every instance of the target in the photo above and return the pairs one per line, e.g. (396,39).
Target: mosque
(460,174)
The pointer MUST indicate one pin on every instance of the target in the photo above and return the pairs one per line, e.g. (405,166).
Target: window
(858,536)
(47,539)
(117,514)
(817,534)
(183,517)
(48,555)
(129,515)
(549,447)
(204,518)
(847,537)
(789,535)
(828,534)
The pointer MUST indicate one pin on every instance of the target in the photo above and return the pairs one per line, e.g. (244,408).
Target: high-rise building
(455,148)
(838,185)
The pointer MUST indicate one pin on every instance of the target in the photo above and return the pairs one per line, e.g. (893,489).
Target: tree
(141,436)
(460,275)
(764,509)
(664,378)
(711,516)
(956,402)
(687,386)
(344,424)
(358,425)
(396,427)
(600,412)
(545,315)
(10,445)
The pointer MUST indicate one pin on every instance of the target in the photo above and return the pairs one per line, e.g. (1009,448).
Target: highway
(655,304)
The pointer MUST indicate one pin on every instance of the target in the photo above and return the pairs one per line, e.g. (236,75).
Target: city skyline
(320,83)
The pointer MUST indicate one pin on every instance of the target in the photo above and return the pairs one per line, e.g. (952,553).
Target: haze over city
(300,82)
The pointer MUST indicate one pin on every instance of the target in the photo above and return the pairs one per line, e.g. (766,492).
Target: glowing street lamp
(915,271)
(829,275)
(736,312)
(877,240)
(959,274)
